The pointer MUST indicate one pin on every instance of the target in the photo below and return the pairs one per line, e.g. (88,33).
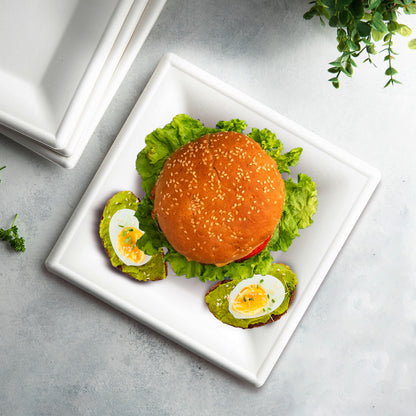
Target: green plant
(12,236)
(360,25)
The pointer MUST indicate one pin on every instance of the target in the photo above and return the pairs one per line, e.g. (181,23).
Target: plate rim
(69,159)
(58,139)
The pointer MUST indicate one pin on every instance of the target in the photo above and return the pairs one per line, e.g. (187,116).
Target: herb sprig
(360,24)
(12,236)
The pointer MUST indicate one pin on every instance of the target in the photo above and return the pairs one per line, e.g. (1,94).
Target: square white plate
(50,65)
(175,307)
(136,27)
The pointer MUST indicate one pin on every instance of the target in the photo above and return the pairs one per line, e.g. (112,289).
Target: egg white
(124,218)
(273,287)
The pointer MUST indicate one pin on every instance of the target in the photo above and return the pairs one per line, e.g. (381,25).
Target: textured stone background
(63,352)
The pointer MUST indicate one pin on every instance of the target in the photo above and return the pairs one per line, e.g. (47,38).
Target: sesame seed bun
(218,198)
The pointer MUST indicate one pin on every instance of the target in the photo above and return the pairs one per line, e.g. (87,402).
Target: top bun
(218,198)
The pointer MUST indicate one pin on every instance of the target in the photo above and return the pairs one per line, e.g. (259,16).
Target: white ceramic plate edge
(92,73)
(82,91)
(131,38)
(146,22)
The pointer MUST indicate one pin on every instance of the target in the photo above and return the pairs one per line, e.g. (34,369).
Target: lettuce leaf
(233,125)
(300,204)
(161,143)
(274,147)
(300,197)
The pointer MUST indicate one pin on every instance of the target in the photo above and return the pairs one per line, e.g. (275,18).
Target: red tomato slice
(256,250)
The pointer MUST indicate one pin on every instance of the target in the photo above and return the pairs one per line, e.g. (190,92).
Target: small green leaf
(390,71)
(336,64)
(404,30)
(410,9)
(393,26)
(378,24)
(330,5)
(333,21)
(412,44)
(390,15)
(353,46)
(363,28)
(343,46)
(346,71)
(377,36)
(373,4)
(333,70)
(310,14)
(335,83)
(392,81)
(357,9)
(344,18)
(387,38)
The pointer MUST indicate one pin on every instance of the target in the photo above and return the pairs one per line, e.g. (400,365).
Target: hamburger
(219,198)
(216,200)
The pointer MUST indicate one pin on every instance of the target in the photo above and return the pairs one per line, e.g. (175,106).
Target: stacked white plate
(62,62)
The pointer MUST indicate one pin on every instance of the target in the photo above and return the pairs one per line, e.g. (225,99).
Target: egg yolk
(126,244)
(250,300)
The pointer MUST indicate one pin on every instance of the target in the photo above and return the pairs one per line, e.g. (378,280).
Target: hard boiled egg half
(124,232)
(255,301)
(119,232)
(256,296)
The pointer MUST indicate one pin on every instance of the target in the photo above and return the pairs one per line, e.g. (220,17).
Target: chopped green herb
(12,236)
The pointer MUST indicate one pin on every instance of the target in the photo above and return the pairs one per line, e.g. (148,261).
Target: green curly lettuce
(298,209)
(300,197)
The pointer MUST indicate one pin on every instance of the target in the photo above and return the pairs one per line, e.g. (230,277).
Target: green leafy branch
(360,25)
